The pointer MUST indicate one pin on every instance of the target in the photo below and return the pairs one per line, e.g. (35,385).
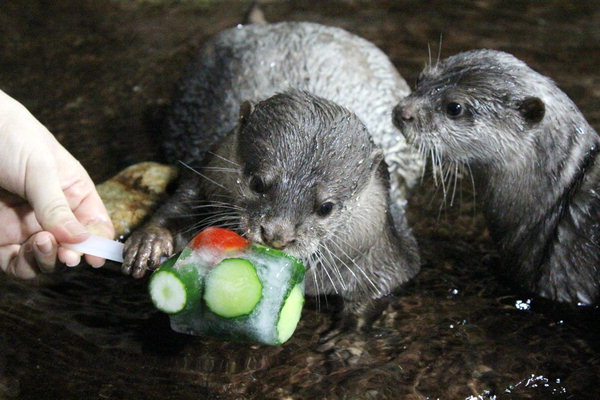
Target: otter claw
(144,250)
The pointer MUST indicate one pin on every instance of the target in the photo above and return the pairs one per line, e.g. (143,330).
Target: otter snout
(403,113)
(276,234)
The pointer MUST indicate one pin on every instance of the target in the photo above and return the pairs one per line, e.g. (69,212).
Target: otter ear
(532,109)
(245,110)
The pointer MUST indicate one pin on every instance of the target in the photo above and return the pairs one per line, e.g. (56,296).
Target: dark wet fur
(534,159)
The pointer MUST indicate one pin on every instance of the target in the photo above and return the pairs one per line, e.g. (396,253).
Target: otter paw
(144,250)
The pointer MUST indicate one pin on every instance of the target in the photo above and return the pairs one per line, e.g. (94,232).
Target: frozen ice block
(221,285)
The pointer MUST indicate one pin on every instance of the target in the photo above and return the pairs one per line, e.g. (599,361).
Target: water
(98,74)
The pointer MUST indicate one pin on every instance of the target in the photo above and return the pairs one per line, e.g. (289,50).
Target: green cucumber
(168,292)
(174,289)
(289,316)
(232,288)
(298,269)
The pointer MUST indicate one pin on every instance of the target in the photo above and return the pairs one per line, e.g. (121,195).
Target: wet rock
(132,194)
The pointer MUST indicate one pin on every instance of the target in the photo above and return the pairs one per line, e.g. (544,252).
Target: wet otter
(296,168)
(533,156)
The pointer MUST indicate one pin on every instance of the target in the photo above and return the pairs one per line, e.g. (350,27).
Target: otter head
(477,107)
(303,162)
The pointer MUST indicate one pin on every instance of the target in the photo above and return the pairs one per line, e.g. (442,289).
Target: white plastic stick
(99,246)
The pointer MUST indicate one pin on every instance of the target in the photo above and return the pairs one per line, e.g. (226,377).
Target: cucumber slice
(167,291)
(173,288)
(233,288)
(290,314)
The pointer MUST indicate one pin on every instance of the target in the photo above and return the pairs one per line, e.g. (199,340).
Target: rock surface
(134,193)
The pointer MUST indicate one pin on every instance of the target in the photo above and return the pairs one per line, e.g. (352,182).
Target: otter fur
(534,158)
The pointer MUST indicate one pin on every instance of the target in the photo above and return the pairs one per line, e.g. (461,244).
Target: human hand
(46,198)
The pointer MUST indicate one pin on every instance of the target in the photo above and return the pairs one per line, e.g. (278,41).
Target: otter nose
(403,112)
(276,235)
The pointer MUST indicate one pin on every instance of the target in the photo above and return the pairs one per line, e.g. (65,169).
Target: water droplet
(523,305)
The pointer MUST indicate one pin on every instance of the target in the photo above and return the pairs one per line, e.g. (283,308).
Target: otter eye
(325,209)
(454,109)
(258,185)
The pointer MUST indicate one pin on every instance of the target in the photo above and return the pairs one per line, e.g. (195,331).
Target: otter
(281,126)
(533,156)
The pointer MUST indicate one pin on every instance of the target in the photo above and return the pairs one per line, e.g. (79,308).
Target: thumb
(51,208)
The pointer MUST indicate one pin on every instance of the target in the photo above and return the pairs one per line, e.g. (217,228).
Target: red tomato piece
(219,239)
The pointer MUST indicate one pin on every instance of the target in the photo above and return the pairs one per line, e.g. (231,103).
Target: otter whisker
(227,199)
(202,175)
(331,266)
(335,268)
(445,176)
(233,225)
(325,269)
(222,196)
(344,264)
(223,158)
(438,169)
(423,154)
(335,235)
(358,267)
(318,279)
(429,55)
(433,166)
(455,183)
(221,206)
(452,178)
(208,212)
(310,262)
(222,217)
(217,219)
(221,202)
(470,172)
(220,169)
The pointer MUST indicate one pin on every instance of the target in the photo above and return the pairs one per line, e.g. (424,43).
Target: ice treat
(221,285)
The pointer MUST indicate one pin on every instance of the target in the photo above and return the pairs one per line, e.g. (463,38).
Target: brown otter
(533,156)
(301,170)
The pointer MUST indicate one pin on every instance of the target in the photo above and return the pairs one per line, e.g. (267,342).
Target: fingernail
(97,264)
(73,260)
(44,246)
(75,228)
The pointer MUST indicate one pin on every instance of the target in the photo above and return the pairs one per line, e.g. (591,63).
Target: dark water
(96,72)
